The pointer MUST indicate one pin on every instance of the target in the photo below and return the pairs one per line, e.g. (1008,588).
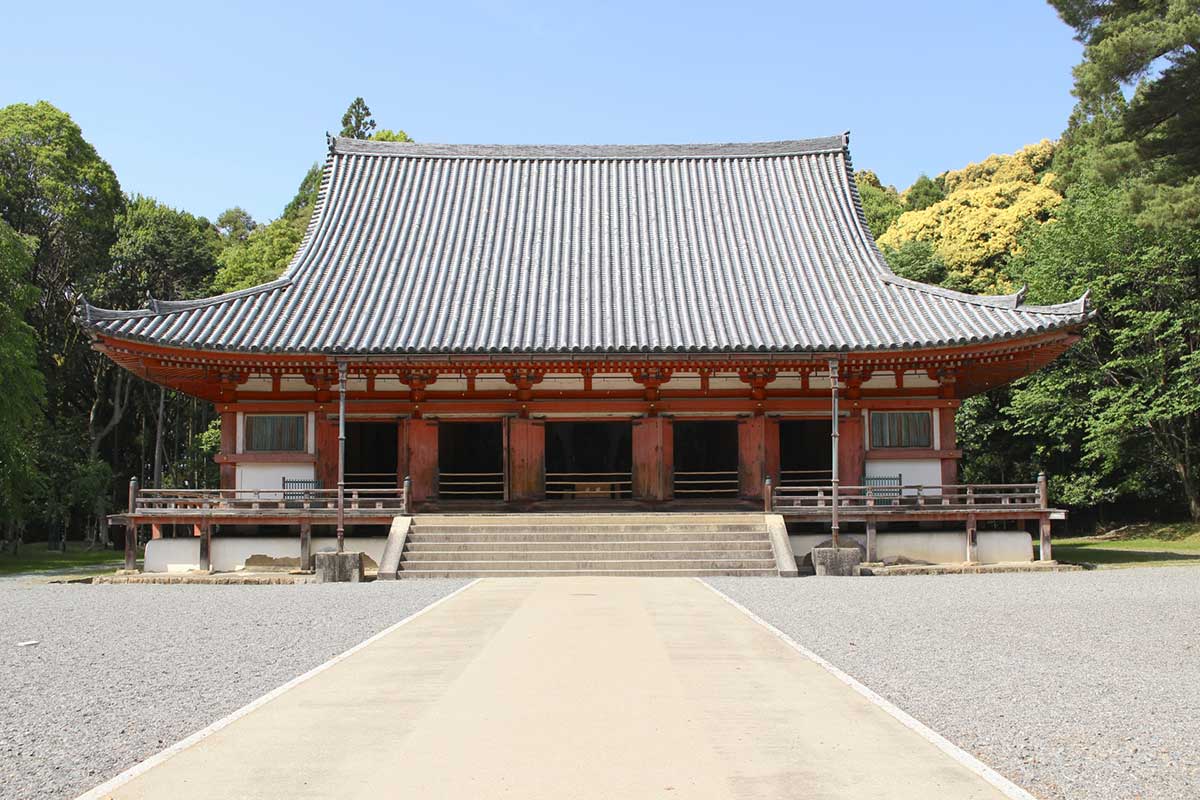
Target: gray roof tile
(418,248)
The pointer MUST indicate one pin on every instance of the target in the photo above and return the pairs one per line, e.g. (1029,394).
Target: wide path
(568,688)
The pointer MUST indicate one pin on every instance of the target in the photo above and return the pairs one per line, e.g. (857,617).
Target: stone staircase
(502,545)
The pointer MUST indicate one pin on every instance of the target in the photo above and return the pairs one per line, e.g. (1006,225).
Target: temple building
(568,327)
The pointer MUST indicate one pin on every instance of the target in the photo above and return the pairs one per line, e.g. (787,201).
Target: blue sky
(205,106)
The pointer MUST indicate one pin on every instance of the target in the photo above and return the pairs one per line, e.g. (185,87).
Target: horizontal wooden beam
(901,453)
(265,458)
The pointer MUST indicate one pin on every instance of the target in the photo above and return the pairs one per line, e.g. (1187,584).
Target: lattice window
(901,429)
(275,433)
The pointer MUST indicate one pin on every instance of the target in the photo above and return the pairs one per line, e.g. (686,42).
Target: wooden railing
(465,485)
(584,485)
(805,477)
(371,480)
(723,483)
(818,500)
(275,501)
(968,503)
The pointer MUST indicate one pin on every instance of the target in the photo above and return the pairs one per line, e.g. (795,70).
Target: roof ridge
(91,313)
(593,152)
(1008,302)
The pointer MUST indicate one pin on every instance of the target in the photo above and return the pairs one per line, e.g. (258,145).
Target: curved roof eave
(806,280)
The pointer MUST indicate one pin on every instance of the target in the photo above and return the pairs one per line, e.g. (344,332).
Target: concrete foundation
(841,562)
(931,547)
(231,553)
(339,567)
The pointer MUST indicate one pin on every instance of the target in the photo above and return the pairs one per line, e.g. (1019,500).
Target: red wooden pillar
(327,451)
(752,456)
(947,439)
(653,459)
(228,448)
(771,444)
(526,460)
(851,449)
(422,452)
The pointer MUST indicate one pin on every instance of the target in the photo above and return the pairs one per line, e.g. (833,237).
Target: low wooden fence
(245,502)
(967,503)
(906,498)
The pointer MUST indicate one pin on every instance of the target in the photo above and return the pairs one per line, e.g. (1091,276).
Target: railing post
(205,546)
(406,501)
(833,446)
(305,545)
(131,528)
(972,539)
(768,496)
(341,476)
(1043,491)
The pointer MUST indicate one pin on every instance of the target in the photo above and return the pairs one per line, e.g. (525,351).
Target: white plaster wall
(728,381)
(560,383)
(615,383)
(924,471)
(935,547)
(261,475)
(680,382)
(257,383)
(229,553)
(492,383)
(444,383)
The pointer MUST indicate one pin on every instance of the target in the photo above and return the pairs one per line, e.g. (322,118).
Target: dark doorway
(371,455)
(470,461)
(588,460)
(805,458)
(706,459)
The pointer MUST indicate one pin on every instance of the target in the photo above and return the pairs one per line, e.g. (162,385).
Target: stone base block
(840,562)
(339,567)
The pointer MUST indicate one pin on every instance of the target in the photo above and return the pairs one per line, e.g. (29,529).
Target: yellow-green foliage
(986,207)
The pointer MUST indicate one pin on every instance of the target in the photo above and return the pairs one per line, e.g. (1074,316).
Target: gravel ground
(1073,685)
(123,671)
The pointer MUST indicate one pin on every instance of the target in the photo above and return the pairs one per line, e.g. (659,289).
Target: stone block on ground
(339,567)
(842,561)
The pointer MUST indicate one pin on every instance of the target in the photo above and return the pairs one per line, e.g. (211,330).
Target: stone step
(604,545)
(669,519)
(757,527)
(424,556)
(573,566)
(584,543)
(555,573)
(418,534)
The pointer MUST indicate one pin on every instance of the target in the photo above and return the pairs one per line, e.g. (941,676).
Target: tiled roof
(592,249)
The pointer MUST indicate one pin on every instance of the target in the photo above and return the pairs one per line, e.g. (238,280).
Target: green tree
(21,410)
(976,228)
(881,204)
(159,252)
(918,261)
(385,135)
(1121,410)
(1154,47)
(235,225)
(265,253)
(168,255)
(57,190)
(923,193)
(357,122)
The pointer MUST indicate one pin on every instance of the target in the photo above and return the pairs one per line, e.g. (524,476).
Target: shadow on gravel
(1099,556)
